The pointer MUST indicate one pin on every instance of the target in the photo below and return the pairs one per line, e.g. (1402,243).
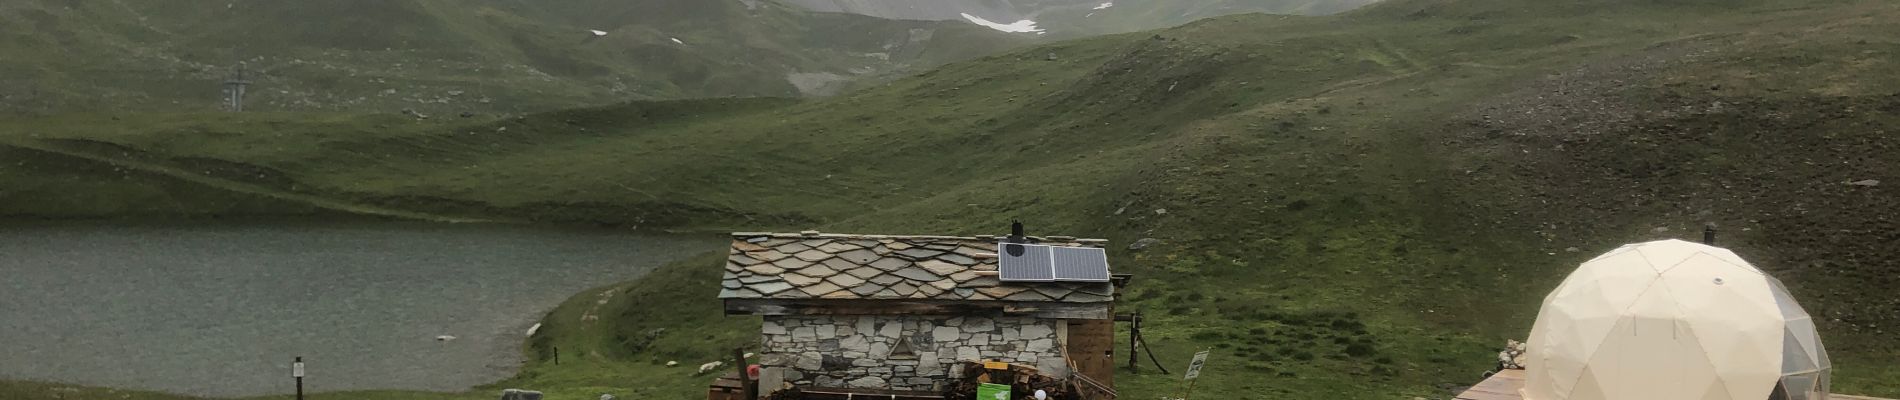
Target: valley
(1363,205)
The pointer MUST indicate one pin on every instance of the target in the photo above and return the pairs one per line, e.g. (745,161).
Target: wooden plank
(1500,386)
(1052,310)
(1092,348)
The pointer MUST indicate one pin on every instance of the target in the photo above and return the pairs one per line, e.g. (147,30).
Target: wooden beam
(1053,310)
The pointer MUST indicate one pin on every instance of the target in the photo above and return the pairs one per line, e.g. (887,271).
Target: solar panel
(1085,264)
(1025,262)
(1039,263)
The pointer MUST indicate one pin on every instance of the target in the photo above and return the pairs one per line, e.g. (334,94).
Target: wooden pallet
(1504,386)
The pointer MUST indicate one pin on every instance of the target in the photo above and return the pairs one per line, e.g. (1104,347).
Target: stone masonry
(857,351)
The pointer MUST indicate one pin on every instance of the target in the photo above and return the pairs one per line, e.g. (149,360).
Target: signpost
(296,371)
(1194,371)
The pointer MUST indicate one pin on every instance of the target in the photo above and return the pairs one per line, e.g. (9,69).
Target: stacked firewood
(1024,381)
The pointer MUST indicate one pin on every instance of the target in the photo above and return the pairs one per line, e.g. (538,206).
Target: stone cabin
(899,312)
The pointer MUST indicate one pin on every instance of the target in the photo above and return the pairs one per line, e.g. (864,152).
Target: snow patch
(677,40)
(1023,26)
(1105,5)
(598,33)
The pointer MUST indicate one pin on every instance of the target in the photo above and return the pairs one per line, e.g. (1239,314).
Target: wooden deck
(1504,386)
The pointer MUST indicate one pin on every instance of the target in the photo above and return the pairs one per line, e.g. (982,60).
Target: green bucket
(991,391)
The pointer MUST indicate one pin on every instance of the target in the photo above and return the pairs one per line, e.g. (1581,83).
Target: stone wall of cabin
(855,351)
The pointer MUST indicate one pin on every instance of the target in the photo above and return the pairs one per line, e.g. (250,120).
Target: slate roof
(812,265)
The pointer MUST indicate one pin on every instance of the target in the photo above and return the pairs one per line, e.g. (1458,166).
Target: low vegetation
(1356,206)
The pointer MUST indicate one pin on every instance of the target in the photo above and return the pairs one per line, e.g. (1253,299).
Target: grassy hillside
(1356,206)
(1110,17)
(445,57)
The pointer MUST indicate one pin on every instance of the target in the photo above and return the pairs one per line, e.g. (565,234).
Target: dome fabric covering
(1673,320)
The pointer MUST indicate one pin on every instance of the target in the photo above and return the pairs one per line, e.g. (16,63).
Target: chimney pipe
(1708,234)
(1016,232)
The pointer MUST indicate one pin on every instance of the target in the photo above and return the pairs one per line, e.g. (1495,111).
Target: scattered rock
(1660,229)
(1865,182)
(703,368)
(1143,243)
(444,338)
(1161,211)
(672,363)
(1572,249)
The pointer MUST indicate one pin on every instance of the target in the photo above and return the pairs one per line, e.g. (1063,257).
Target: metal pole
(1708,234)
(1190,390)
(296,371)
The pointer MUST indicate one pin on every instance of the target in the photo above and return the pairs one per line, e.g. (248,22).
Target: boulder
(518,394)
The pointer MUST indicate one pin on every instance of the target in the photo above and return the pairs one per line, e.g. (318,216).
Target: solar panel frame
(1079,264)
(1036,264)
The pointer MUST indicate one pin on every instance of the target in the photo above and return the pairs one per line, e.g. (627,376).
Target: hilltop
(1354,206)
(445,57)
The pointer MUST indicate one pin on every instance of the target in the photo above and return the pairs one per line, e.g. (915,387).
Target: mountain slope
(1078,18)
(441,56)
(1355,206)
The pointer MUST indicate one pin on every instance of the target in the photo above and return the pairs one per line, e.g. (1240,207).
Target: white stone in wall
(827,331)
(1039,345)
(869,382)
(946,334)
(864,362)
(854,343)
(811,361)
(928,365)
(867,324)
(968,353)
(979,340)
(772,327)
(1011,334)
(978,325)
(804,333)
(891,330)
(1053,366)
(879,350)
(1032,331)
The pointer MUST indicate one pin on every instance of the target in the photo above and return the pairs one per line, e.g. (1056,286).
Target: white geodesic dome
(1673,320)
